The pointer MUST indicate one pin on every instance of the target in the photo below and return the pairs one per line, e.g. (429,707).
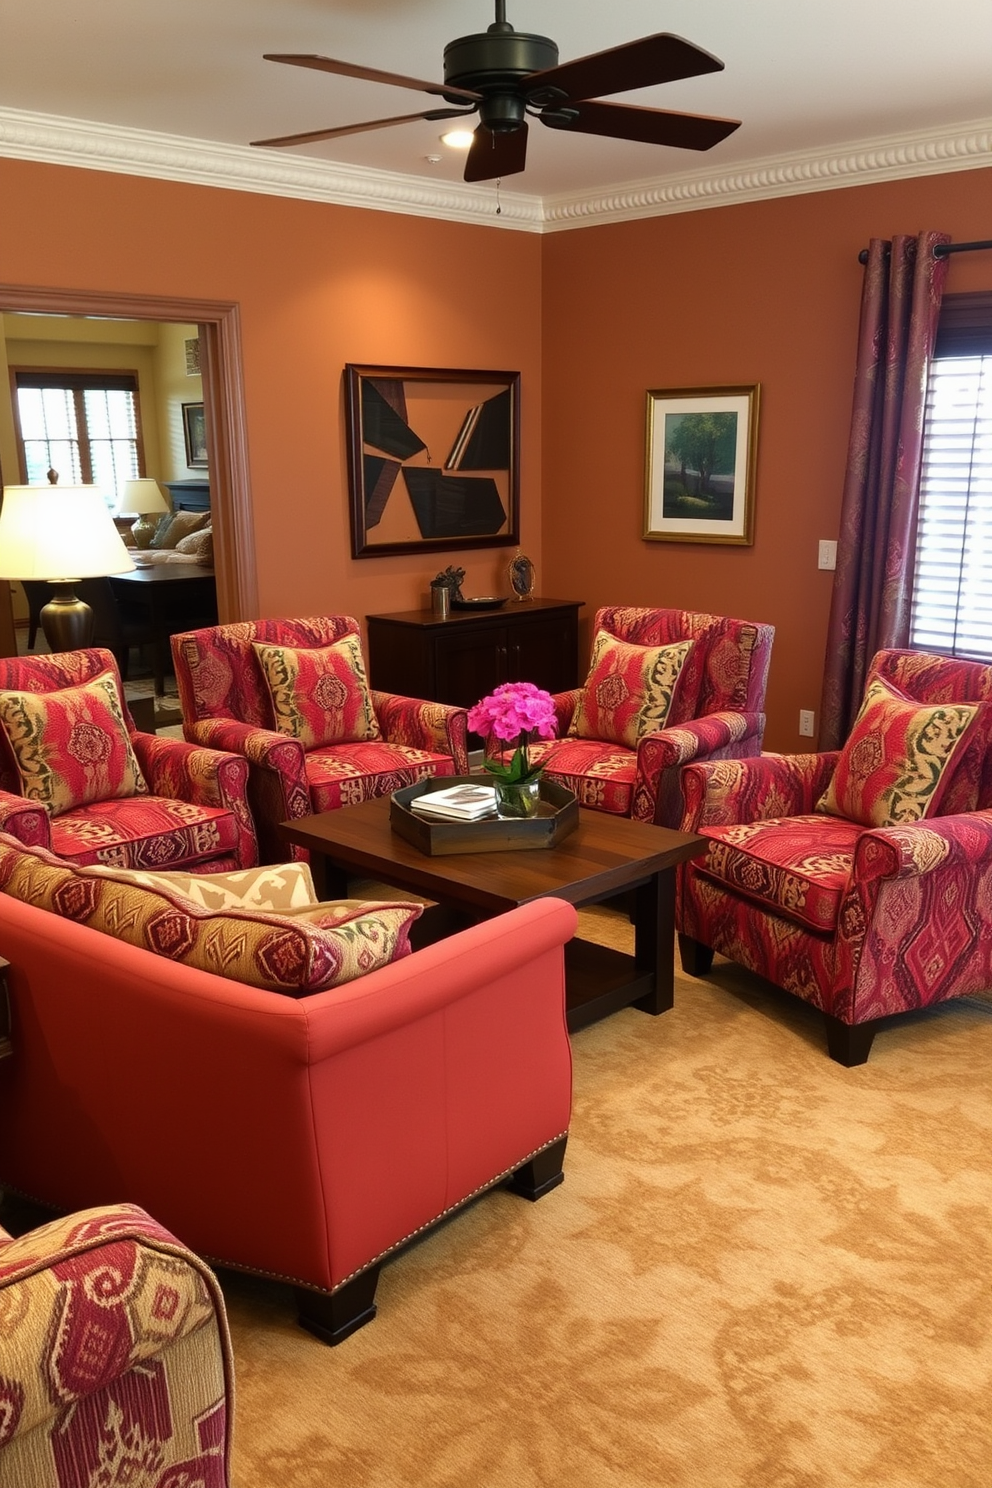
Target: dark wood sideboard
(189,495)
(461,659)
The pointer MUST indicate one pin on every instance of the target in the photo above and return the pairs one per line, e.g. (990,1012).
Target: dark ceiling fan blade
(369,74)
(492,155)
(650,126)
(322,134)
(638,64)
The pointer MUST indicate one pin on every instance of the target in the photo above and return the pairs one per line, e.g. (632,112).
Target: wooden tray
(557,815)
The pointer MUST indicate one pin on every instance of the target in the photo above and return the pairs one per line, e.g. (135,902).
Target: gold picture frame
(701,457)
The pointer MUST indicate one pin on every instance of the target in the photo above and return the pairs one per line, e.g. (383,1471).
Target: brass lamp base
(143,529)
(66,622)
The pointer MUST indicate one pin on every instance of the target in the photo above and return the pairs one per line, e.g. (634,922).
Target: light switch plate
(827,557)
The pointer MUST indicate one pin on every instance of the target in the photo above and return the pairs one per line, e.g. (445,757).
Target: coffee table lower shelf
(600,981)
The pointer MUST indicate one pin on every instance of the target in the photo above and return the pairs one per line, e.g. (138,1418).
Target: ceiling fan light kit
(507,76)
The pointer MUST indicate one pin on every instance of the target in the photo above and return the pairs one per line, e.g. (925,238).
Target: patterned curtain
(876,550)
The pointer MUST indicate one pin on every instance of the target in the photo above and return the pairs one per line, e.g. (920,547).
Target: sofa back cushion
(174,526)
(71,746)
(315,948)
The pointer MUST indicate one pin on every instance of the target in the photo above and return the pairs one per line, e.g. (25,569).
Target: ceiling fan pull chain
(499,182)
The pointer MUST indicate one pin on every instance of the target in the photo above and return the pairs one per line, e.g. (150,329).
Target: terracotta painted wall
(318,286)
(767,293)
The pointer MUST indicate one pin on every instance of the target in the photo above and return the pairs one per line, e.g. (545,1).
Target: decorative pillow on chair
(71,746)
(320,696)
(629,690)
(176,525)
(897,762)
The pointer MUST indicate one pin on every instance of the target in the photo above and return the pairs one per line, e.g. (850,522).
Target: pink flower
(515,711)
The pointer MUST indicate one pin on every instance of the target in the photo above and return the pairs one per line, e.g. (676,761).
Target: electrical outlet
(827,555)
(806,721)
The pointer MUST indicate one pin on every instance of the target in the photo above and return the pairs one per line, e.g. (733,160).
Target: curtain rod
(941,250)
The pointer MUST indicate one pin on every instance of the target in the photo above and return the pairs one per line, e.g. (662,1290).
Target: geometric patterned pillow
(281,888)
(71,746)
(320,696)
(285,953)
(628,692)
(896,764)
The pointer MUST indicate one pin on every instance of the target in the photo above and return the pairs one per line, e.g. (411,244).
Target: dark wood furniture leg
(654,939)
(697,959)
(541,1174)
(329,881)
(334,1316)
(850,1043)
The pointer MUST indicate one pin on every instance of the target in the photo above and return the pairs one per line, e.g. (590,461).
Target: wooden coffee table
(605,856)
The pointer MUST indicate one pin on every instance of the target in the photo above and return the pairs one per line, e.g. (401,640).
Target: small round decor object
(480,602)
(522,576)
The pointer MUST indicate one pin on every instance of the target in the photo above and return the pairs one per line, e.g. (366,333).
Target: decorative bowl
(481,602)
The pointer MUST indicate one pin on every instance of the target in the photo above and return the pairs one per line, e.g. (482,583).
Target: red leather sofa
(303,1138)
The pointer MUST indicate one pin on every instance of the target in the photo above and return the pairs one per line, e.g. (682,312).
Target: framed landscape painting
(433,459)
(701,455)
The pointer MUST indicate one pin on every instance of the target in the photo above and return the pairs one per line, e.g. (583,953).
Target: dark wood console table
(175,596)
(461,659)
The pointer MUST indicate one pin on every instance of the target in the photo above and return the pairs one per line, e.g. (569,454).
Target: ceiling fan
(505,75)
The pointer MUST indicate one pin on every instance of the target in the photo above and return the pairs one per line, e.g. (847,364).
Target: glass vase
(519,798)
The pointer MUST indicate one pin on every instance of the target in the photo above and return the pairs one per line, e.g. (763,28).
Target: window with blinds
(83,425)
(952,586)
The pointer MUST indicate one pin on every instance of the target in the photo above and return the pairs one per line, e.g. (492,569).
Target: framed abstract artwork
(700,464)
(433,459)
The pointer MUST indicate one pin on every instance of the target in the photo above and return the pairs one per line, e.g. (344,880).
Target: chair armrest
(208,777)
(24,820)
(747,790)
(915,925)
(658,795)
(940,844)
(435,727)
(565,706)
(48,1275)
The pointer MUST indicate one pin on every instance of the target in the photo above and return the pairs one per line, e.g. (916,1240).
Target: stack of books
(457,803)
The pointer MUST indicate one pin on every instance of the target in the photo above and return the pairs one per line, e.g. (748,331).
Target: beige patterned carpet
(762,1271)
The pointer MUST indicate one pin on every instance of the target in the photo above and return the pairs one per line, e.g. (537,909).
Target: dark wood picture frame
(433,459)
(195,435)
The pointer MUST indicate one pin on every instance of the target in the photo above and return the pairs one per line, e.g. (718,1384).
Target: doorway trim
(219,322)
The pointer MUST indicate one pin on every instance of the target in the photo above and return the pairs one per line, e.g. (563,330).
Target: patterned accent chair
(77,777)
(710,709)
(292,697)
(115,1362)
(860,880)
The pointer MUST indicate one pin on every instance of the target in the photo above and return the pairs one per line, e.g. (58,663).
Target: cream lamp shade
(60,534)
(144,499)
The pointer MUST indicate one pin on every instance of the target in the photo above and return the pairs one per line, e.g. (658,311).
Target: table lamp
(143,498)
(60,534)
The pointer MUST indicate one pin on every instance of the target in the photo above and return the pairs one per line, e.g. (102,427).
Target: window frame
(964,331)
(78,381)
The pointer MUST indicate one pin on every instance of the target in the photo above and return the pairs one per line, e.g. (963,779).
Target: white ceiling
(803,75)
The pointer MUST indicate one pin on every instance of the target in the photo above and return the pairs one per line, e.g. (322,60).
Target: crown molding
(85,145)
(893,157)
(81,143)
